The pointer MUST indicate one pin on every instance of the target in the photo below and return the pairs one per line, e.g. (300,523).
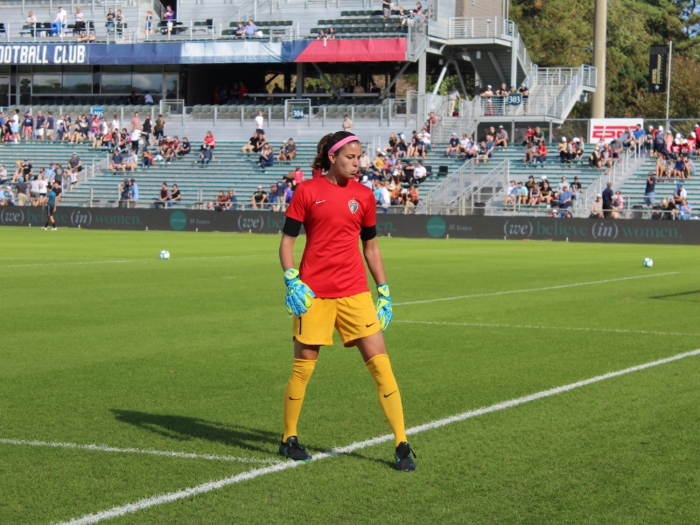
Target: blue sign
(515,99)
(297,112)
(98,112)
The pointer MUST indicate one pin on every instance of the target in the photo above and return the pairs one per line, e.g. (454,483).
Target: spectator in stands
(185,147)
(364,162)
(660,141)
(685,211)
(159,128)
(298,176)
(347,123)
(575,189)
(58,26)
(546,191)
(117,161)
(131,161)
(402,146)
(232,202)
(565,151)
(40,126)
(290,150)
(110,20)
(484,153)
(34,190)
(487,97)
(21,192)
(679,193)
(240,31)
(616,147)
(6,196)
(148,31)
(164,197)
(267,157)
(669,210)
(453,146)
(501,137)
(522,194)
(124,193)
(3,174)
(607,200)
(175,196)
(220,203)
(79,22)
(530,152)
(565,198)
(121,23)
(31,23)
(512,195)
(147,98)
(146,130)
(259,122)
(27,170)
(649,191)
(242,91)
(205,155)
(28,126)
(597,208)
(535,195)
(259,198)
(576,149)
(169,18)
(252,144)
(452,97)
(250,29)
(146,159)
(210,141)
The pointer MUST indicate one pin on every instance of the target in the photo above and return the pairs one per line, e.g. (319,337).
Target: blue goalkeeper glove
(299,295)
(384,312)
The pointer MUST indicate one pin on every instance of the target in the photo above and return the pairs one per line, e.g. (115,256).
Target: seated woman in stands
(31,22)
(595,161)
(241,29)
(530,152)
(209,140)
(393,145)
(546,193)
(535,195)
(330,35)
(267,157)
(321,34)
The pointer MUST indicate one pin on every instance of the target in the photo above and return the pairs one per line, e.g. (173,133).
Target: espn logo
(608,132)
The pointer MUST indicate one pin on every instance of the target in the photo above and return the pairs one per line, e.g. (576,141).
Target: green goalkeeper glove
(384,312)
(299,295)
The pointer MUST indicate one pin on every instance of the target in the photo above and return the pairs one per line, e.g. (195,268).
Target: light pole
(599,52)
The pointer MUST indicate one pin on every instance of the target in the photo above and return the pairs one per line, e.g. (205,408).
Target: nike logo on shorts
(292,399)
(368,325)
(319,202)
(387,395)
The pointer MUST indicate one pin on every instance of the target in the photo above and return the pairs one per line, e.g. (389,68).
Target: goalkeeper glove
(299,295)
(384,312)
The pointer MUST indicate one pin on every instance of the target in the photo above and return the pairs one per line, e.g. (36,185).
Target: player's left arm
(375,264)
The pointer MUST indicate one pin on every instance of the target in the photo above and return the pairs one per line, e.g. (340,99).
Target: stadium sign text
(609,128)
(43,54)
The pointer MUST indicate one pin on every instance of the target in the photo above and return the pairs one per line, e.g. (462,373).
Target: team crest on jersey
(353,205)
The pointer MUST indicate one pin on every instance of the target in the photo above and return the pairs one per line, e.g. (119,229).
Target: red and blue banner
(222,52)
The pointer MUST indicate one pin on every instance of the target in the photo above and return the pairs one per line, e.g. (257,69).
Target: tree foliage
(559,33)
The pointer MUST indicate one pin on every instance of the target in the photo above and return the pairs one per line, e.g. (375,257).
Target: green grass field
(103,343)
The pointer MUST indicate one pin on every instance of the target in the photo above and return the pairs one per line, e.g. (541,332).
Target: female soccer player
(335,210)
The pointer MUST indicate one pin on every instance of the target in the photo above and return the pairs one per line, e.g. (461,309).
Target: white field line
(488,325)
(213,485)
(535,289)
(105,448)
(137,260)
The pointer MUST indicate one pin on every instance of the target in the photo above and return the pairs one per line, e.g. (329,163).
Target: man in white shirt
(147,98)
(59,25)
(115,124)
(420,172)
(385,197)
(366,182)
(426,138)
(512,196)
(135,136)
(259,122)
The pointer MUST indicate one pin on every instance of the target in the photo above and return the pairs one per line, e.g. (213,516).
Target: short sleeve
(369,210)
(297,208)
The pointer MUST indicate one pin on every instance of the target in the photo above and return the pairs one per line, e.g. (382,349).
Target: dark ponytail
(322,162)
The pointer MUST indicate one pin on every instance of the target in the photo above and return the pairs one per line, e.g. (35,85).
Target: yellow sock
(389,395)
(294,394)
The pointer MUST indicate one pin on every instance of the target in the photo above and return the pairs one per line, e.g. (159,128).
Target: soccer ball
(165,254)
(648,262)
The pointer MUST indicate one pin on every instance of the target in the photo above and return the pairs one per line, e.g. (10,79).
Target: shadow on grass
(694,296)
(183,428)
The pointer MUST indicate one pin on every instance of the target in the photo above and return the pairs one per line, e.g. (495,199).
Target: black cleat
(403,457)
(293,450)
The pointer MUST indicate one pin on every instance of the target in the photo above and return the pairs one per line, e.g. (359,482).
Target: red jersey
(333,216)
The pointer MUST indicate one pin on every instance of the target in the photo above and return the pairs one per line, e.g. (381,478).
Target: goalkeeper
(330,288)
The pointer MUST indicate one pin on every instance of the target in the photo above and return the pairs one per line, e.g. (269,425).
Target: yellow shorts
(354,317)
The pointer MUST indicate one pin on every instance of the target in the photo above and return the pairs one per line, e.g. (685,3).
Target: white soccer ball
(648,262)
(165,254)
